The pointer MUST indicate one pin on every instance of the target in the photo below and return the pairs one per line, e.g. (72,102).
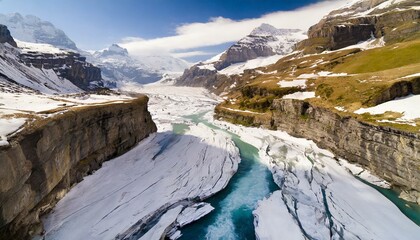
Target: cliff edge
(49,155)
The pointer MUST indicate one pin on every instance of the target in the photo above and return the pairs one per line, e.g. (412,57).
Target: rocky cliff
(393,20)
(68,65)
(263,41)
(389,153)
(5,36)
(44,160)
(46,68)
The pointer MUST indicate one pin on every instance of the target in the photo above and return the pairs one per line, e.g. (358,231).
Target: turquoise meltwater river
(232,217)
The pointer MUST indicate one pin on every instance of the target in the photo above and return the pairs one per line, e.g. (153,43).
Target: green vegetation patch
(384,58)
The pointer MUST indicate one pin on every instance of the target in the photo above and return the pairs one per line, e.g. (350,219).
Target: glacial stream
(232,217)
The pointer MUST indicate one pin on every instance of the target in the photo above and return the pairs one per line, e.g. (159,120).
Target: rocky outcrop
(210,79)
(263,41)
(50,155)
(398,89)
(246,49)
(5,36)
(69,65)
(197,77)
(360,22)
(389,153)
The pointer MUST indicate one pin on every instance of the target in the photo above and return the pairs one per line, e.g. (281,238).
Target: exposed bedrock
(68,65)
(398,89)
(391,154)
(50,155)
(5,36)
(334,32)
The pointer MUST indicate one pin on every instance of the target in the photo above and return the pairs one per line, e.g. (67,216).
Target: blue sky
(95,24)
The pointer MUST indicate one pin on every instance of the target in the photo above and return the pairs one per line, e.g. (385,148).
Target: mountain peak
(32,29)
(264,29)
(269,30)
(117,49)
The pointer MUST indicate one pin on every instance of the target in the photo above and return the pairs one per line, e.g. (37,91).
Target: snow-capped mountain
(263,41)
(263,46)
(116,63)
(32,29)
(118,66)
(43,68)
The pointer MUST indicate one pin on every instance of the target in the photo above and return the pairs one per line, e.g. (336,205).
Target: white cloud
(191,54)
(221,30)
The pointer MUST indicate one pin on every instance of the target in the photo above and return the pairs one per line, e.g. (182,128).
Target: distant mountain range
(118,66)
(115,62)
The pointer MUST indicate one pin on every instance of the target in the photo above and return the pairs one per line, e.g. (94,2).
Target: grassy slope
(370,73)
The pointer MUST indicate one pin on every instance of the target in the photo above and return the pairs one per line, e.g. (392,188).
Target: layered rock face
(197,77)
(246,49)
(209,79)
(50,155)
(390,154)
(399,89)
(362,21)
(69,65)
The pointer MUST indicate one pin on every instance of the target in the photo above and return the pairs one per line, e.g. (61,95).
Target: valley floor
(159,186)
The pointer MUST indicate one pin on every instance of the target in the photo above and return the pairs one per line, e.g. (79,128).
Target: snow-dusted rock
(39,79)
(265,45)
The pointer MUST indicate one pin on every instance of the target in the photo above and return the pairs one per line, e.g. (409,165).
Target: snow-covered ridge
(407,106)
(363,8)
(27,47)
(239,68)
